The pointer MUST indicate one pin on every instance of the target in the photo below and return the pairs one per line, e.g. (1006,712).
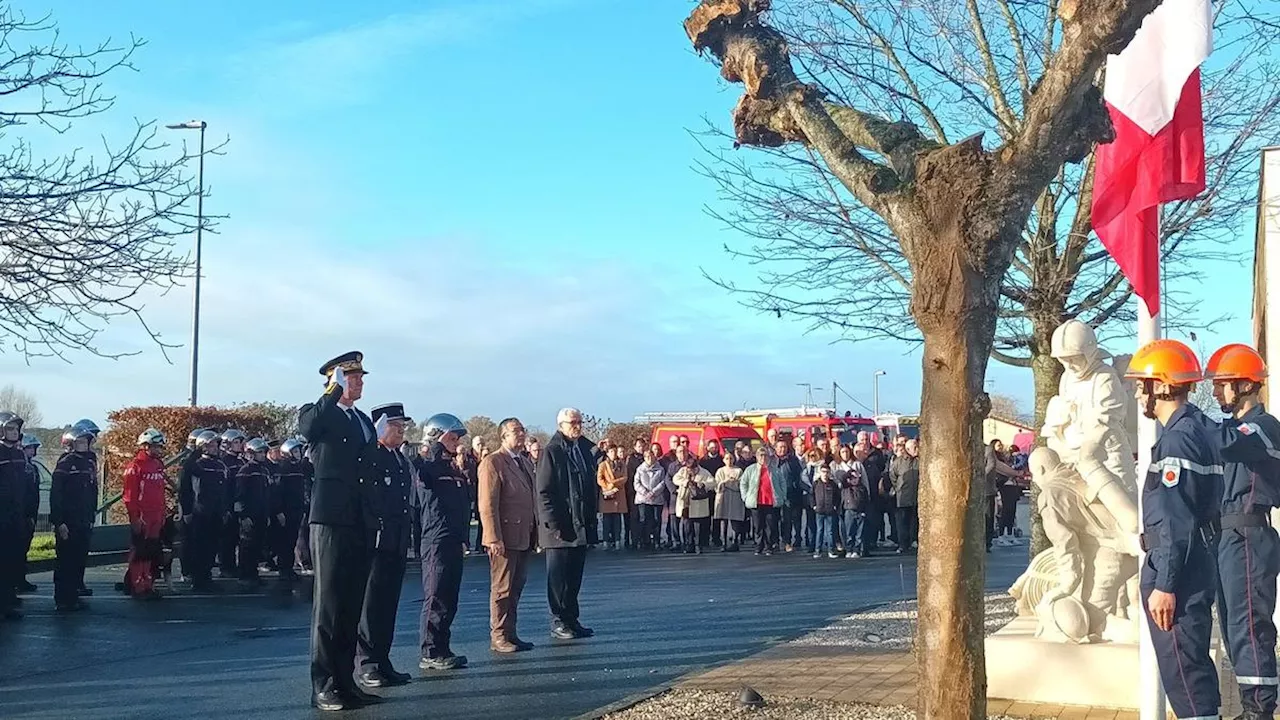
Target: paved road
(245,656)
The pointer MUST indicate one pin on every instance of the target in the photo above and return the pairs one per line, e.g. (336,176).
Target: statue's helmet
(1074,339)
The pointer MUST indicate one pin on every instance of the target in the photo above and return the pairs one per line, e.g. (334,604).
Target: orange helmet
(1166,361)
(1236,362)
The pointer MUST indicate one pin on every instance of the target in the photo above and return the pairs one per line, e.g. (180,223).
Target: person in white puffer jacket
(650,482)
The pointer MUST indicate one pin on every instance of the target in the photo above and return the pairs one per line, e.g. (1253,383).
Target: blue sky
(493,199)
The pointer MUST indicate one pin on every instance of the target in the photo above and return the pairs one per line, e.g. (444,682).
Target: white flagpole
(1151,699)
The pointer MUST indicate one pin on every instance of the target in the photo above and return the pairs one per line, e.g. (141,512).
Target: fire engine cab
(892,425)
(728,427)
(699,427)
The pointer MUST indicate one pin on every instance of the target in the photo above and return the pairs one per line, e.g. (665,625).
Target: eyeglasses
(573,423)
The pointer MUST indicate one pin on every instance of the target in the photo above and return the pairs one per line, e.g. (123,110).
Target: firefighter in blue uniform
(292,502)
(442,500)
(389,483)
(13,522)
(1181,498)
(231,443)
(30,446)
(202,490)
(1248,552)
(73,501)
(252,508)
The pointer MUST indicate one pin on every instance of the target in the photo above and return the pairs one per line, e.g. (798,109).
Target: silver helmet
(30,441)
(151,436)
(438,425)
(8,418)
(231,435)
(205,437)
(75,433)
(288,446)
(193,438)
(87,425)
(256,445)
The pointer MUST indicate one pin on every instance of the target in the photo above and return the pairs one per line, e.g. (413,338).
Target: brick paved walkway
(861,676)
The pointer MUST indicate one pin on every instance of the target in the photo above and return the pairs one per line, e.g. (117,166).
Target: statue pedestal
(1021,667)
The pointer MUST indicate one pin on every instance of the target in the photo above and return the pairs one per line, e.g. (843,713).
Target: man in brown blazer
(507,516)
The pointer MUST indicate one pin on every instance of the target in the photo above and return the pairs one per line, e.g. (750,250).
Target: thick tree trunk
(955,308)
(1046,372)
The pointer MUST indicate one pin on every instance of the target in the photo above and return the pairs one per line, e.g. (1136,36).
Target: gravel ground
(681,704)
(892,627)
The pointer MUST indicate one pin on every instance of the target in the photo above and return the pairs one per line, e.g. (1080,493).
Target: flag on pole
(1153,94)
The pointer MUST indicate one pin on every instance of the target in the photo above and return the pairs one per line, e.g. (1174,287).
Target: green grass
(41,547)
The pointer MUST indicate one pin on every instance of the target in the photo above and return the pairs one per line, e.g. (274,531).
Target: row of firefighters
(242,501)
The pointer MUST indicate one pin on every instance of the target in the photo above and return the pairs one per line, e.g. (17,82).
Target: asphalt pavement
(245,656)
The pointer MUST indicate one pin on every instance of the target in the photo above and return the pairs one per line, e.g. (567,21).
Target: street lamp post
(195,309)
(875,391)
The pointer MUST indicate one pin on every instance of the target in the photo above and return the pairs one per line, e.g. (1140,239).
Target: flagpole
(1151,699)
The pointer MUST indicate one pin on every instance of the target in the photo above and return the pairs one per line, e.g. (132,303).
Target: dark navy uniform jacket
(291,495)
(73,494)
(1252,463)
(202,487)
(252,496)
(32,498)
(442,499)
(390,483)
(233,463)
(13,486)
(1181,498)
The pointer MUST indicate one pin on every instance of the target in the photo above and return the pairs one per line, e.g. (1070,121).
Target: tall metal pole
(195,310)
(834,408)
(875,392)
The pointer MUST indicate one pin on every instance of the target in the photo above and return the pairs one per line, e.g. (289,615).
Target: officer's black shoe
(522,645)
(329,701)
(452,662)
(26,587)
(398,678)
(85,592)
(582,630)
(560,632)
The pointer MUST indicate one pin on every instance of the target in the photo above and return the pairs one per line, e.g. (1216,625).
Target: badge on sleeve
(1170,474)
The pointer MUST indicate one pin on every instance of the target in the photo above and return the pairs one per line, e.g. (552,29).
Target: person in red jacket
(144,484)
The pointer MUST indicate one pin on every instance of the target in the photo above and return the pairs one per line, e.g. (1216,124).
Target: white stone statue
(1081,589)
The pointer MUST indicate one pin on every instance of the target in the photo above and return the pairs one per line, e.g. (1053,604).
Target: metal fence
(47,459)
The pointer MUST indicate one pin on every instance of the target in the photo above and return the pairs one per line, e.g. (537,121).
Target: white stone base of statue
(1022,667)
(1025,668)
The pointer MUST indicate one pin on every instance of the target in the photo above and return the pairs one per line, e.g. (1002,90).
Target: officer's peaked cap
(391,411)
(351,362)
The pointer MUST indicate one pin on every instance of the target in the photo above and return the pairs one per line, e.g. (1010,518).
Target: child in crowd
(826,505)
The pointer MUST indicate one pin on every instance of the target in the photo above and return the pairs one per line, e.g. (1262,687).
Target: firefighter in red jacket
(144,498)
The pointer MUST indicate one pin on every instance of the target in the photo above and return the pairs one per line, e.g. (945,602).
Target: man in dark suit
(387,476)
(507,515)
(566,502)
(341,437)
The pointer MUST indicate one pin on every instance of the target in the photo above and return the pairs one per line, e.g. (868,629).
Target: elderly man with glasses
(566,502)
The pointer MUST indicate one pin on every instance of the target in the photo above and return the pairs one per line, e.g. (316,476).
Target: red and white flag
(1153,94)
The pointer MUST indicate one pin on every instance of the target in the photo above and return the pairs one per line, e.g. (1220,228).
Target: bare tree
(957,211)
(21,403)
(83,233)
(823,257)
(1008,407)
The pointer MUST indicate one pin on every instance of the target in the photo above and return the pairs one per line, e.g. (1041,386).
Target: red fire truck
(700,427)
(806,422)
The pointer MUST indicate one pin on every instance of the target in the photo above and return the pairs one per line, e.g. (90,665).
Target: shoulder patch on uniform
(1170,474)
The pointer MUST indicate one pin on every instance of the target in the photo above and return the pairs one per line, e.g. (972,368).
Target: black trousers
(68,567)
(341,559)
(378,618)
(200,547)
(441,582)
(765,521)
(10,565)
(284,539)
(695,531)
(650,525)
(26,549)
(564,581)
(228,541)
(908,526)
(475,513)
(612,527)
(251,544)
(991,520)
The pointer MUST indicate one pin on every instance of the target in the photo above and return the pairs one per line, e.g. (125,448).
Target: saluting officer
(13,489)
(443,502)
(1248,552)
(387,478)
(1181,500)
(341,437)
(30,446)
(202,491)
(252,508)
(291,502)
